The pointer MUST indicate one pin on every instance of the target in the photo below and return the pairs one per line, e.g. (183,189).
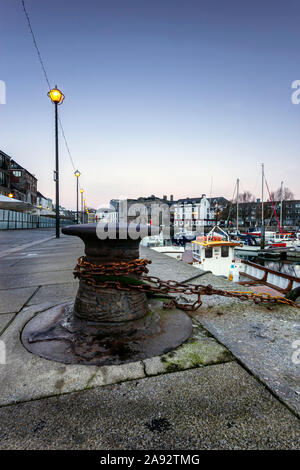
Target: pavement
(233,385)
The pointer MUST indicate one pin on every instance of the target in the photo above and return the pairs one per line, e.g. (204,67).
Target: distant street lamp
(10,195)
(57,97)
(82,191)
(77,174)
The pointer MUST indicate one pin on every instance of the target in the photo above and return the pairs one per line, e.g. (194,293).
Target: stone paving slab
(198,351)
(215,407)
(4,320)
(17,238)
(263,341)
(13,300)
(37,279)
(60,292)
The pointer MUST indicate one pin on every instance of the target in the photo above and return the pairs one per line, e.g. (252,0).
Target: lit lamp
(77,174)
(10,195)
(57,97)
(82,191)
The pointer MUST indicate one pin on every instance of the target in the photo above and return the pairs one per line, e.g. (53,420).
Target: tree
(287,194)
(246,196)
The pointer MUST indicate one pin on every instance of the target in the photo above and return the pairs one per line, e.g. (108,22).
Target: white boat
(214,253)
(296,243)
(154,240)
(172,251)
(282,240)
(248,250)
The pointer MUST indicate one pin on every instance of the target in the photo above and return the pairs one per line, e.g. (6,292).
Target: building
(250,214)
(151,209)
(192,214)
(44,204)
(4,174)
(91,216)
(22,183)
(106,214)
(291,213)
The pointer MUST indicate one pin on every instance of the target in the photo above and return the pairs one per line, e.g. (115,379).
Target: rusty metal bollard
(106,325)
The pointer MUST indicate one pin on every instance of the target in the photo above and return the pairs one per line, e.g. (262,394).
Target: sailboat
(250,245)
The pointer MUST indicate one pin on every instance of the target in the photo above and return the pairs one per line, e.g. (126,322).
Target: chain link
(88,272)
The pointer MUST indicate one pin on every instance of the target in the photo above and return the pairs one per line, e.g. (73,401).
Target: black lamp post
(77,174)
(57,98)
(81,192)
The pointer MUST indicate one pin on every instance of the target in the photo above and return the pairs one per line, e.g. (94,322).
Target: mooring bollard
(107,325)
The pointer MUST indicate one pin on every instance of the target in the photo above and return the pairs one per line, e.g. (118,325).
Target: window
(3,180)
(224,251)
(17,173)
(208,252)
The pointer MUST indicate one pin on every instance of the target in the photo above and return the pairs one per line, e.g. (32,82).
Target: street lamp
(11,195)
(57,97)
(83,210)
(82,191)
(77,174)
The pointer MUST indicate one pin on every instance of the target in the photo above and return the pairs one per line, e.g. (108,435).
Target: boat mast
(237,204)
(281,187)
(262,241)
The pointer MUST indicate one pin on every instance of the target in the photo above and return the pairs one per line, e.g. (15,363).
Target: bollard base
(59,335)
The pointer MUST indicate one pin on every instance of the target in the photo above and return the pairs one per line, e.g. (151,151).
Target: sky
(161,96)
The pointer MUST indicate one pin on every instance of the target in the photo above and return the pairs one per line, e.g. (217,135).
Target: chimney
(171,197)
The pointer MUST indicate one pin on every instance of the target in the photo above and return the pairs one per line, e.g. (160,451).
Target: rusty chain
(89,272)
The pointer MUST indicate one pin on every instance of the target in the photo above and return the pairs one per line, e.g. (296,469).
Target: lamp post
(57,98)
(82,191)
(77,174)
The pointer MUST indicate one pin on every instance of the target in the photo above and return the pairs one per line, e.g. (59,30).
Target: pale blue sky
(160,96)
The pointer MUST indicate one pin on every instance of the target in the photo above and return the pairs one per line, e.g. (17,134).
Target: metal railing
(13,220)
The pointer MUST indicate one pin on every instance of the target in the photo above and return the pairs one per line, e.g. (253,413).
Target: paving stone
(265,341)
(13,300)
(200,350)
(4,320)
(214,407)
(56,292)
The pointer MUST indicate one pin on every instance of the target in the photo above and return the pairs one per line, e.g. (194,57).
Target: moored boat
(214,252)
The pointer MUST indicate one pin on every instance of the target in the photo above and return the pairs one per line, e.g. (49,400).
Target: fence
(21,220)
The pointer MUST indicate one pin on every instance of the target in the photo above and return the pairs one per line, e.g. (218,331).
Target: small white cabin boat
(282,240)
(214,253)
(172,251)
